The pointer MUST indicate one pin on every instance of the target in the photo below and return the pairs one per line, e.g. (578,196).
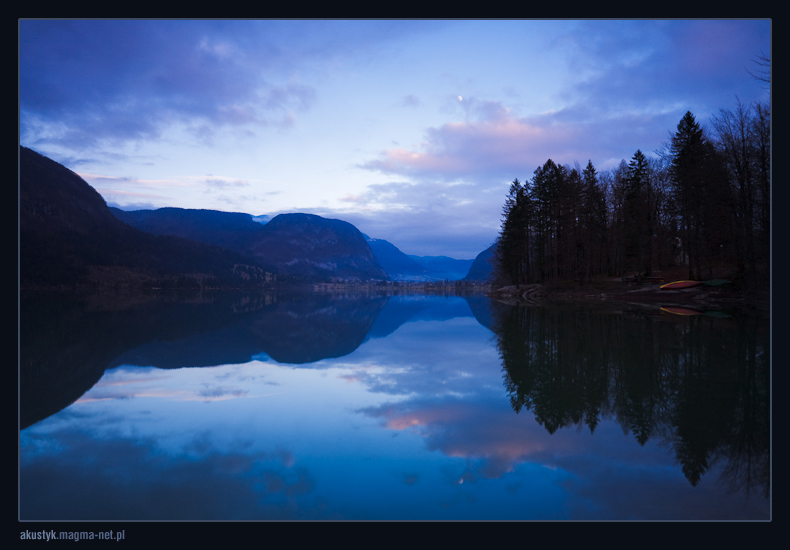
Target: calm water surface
(251,407)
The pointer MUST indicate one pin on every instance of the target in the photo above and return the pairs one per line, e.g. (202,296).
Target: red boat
(681,284)
(681,310)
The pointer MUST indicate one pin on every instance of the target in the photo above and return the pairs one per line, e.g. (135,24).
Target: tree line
(703,201)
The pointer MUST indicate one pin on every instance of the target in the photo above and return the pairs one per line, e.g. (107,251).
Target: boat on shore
(681,284)
(681,310)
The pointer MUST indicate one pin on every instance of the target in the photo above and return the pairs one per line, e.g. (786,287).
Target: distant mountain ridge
(408,267)
(399,266)
(444,267)
(304,246)
(242,233)
(226,229)
(69,237)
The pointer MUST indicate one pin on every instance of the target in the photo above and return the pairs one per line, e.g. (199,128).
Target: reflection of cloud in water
(429,358)
(218,393)
(110,382)
(191,385)
(411,479)
(277,483)
(459,428)
(83,478)
(458,440)
(92,396)
(605,476)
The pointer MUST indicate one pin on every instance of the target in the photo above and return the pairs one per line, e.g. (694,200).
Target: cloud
(410,100)
(497,145)
(663,65)
(628,84)
(119,184)
(130,200)
(130,193)
(224,182)
(293,94)
(88,83)
(427,218)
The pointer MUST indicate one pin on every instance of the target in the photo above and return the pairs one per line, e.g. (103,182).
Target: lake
(389,407)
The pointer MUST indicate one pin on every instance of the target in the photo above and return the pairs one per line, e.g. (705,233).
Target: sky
(411,130)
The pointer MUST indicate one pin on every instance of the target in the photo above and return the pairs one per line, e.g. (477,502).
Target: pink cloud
(498,142)
(458,430)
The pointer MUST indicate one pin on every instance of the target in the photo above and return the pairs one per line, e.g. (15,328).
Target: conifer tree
(637,215)
(618,229)
(545,192)
(593,222)
(513,244)
(688,152)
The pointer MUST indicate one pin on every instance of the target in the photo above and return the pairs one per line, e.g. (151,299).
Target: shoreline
(730,296)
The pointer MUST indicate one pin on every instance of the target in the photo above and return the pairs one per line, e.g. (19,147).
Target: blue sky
(410,129)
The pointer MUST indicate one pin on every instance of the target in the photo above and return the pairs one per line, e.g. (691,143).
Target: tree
(761,138)
(547,184)
(743,142)
(702,202)
(593,223)
(570,261)
(664,223)
(637,215)
(513,243)
(688,152)
(764,71)
(616,186)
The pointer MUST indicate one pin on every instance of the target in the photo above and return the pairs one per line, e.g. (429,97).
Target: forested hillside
(703,201)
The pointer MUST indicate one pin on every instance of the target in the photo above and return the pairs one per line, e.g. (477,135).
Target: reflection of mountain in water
(402,309)
(67,342)
(308,329)
(294,329)
(700,383)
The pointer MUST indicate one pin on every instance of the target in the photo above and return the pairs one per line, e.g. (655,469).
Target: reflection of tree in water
(701,383)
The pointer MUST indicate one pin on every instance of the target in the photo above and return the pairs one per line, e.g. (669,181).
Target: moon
(460,98)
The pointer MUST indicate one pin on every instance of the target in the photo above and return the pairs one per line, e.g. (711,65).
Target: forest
(703,201)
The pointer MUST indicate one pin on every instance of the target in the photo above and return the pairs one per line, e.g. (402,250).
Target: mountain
(407,267)
(226,229)
(399,266)
(301,246)
(68,237)
(313,247)
(482,266)
(444,267)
